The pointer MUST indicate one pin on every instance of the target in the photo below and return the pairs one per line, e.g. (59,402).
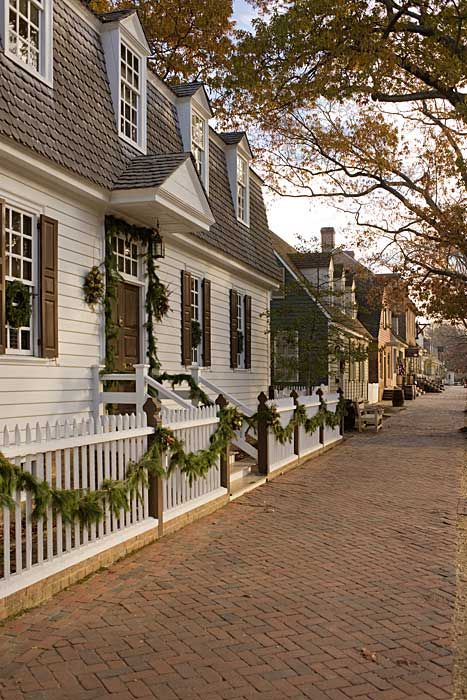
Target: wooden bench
(366,416)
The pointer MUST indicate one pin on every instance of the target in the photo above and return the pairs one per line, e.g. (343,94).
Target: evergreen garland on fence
(88,507)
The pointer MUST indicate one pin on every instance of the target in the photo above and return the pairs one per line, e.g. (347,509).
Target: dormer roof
(235,138)
(115,15)
(129,19)
(312,260)
(186,90)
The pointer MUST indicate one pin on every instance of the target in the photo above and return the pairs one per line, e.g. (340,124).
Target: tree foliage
(363,102)
(188,40)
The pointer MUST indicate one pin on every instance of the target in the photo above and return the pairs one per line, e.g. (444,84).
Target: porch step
(245,484)
(387,394)
(241,469)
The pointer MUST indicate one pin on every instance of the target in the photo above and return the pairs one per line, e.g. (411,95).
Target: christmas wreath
(94,287)
(18,304)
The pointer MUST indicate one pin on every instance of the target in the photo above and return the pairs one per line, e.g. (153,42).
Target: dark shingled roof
(115,15)
(73,125)
(149,171)
(232,137)
(289,254)
(186,89)
(304,260)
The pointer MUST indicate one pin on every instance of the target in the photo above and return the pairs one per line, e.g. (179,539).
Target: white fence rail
(281,455)
(194,427)
(69,455)
(309,442)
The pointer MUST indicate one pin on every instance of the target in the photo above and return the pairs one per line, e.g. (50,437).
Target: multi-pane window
(196,318)
(242,189)
(126,253)
(130,91)
(20,244)
(241,330)
(25,21)
(198,147)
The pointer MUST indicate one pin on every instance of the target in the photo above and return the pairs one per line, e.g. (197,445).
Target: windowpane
(129,89)
(127,255)
(20,255)
(24,40)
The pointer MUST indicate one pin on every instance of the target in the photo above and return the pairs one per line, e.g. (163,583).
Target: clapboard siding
(244,384)
(38,390)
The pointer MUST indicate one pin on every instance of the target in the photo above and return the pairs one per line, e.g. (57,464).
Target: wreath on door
(18,304)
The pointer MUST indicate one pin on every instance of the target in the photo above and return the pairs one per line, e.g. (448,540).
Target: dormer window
(130,95)
(27,34)
(198,143)
(242,189)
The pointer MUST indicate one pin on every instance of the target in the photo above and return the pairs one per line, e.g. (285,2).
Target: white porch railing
(69,455)
(194,427)
(308,442)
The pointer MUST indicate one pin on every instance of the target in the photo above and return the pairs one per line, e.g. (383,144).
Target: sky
(288,216)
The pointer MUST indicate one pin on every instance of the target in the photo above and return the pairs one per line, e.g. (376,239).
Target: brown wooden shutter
(186,319)
(2,277)
(206,323)
(233,329)
(48,231)
(247,301)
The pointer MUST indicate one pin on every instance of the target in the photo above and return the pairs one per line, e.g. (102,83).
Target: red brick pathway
(335,581)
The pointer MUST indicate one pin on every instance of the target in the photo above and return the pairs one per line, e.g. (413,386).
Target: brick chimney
(328,239)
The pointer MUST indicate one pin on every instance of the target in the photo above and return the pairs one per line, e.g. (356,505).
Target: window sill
(32,71)
(141,147)
(12,359)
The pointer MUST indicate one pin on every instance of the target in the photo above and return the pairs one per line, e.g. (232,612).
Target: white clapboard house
(87,131)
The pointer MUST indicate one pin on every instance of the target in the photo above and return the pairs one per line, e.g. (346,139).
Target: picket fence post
(97,388)
(263,441)
(152,408)
(341,396)
(319,392)
(296,432)
(222,402)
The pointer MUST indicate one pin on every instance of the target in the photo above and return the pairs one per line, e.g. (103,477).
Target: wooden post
(152,409)
(97,390)
(319,392)
(263,443)
(140,388)
(296,435)
(222,402)
(341,396)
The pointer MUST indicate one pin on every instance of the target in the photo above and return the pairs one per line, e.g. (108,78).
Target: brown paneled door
(128,322)
(127,344)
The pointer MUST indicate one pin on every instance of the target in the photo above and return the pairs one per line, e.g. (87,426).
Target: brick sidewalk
(335,581)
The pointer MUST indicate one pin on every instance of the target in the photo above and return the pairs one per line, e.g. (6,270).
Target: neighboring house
(316,336)
(86,131)
(384,308)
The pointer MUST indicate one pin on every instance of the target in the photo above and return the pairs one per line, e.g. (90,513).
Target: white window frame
(45,7)
(243,186)
(128,260)
(241,325)
(196,288)
(33,283)
(197,147)
(141,92)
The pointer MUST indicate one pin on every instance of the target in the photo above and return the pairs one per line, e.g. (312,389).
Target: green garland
(18,304)
(196,394)
(284,434)
(88,507)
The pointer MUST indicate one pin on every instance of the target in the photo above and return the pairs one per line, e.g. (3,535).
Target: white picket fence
(309,442)
(281,455)
(331,435)
(69,455)
(284,392)
(194,427)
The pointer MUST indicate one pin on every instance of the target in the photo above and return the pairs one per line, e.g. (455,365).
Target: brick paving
(335,581)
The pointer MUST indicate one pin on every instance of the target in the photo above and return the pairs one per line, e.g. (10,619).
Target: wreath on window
(195,334)
(18,304)
(240,342)
(94,286)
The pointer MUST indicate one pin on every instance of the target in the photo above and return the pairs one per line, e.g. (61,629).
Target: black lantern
(158,246)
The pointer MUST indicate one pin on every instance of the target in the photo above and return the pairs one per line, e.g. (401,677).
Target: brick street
(335,581)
